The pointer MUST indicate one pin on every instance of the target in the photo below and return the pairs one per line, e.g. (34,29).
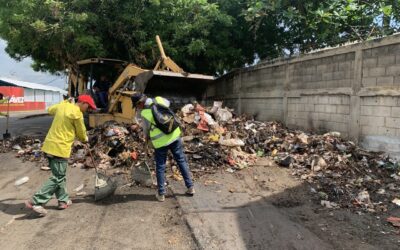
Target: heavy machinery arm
(166,79)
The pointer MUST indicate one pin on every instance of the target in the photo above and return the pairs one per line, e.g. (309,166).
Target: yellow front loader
(167,79)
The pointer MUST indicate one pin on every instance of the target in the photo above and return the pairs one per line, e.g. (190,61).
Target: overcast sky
(10,68)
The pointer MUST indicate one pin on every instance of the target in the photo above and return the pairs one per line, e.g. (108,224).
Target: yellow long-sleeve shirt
(67,124)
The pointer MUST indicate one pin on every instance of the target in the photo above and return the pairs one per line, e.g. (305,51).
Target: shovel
(7,135)
(104,185)
(142,173)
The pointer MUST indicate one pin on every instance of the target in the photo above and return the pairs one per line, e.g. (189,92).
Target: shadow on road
(6,206)
(293,219)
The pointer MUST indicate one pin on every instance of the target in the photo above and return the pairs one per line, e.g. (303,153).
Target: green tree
(206,36)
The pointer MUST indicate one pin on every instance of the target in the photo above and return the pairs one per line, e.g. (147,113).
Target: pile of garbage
(27,148)
(113,146)
(340,173)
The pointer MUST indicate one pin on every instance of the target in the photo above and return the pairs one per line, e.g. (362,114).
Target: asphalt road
(131,219)
(36,126)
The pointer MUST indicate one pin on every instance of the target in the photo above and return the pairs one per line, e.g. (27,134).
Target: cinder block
(365,72)
(385,81)
(326,76)
(323,99)
(369,81)
(386,131)
(343,83)
(379,100)
(324,117)
(370,63)
(391,122)
(340,118)
(300,107)
(293,100)
(372,120)
(386,60)
(393,70)
(396,81)
(379,71)
(338,75)
(330,108)
(309,107)
(321,68)
(303,100)
(345,100)
(345,66)
(319,108)
(342,127)
(395,112)
(369,130)
(343,109)
(376,111)
(335,100)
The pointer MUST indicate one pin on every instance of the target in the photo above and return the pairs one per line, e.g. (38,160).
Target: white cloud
(11,68)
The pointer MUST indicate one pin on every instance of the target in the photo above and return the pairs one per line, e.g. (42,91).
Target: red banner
(17,102)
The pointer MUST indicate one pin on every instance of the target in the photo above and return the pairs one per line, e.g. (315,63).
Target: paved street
(18,126)
(131,219)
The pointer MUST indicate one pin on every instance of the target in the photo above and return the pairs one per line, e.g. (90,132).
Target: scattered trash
(230,170)
(396,201)
(223,115)
(363,199)
(81,193)
(45,168)
(381,191)
(231,142)
(328,204)
(218,140)
(21,181)
(395,221)
(318,163)
(79,188)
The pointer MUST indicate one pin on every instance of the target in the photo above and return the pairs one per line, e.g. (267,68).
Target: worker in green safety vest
(162,143)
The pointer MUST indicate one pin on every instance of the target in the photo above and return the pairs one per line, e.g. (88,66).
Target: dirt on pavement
(264,207)
(131,219)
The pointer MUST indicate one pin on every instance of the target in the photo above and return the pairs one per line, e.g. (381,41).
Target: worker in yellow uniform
(67,124)
(162,143)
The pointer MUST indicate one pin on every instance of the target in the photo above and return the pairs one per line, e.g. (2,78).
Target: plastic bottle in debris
(21,181)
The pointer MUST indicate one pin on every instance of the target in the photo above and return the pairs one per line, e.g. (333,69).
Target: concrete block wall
(380,115)
(381,66)
(353,89)
(264,109)
(328,72)
(320,113)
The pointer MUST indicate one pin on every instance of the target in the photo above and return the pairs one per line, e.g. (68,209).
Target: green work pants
(56,184)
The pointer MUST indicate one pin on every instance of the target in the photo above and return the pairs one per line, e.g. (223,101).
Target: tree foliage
(202,36)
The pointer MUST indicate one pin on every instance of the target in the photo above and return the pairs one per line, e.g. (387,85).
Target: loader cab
(94,76)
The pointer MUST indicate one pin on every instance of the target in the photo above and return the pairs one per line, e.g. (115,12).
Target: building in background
(27,96)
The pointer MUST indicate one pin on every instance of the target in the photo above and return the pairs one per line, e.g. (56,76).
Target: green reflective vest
(157,137)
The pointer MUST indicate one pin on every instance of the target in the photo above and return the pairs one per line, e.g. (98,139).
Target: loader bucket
(179,88)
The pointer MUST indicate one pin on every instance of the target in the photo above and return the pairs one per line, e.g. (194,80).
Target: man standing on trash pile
(162,143)
(67,124)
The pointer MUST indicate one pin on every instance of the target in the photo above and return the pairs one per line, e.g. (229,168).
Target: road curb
(188,223)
